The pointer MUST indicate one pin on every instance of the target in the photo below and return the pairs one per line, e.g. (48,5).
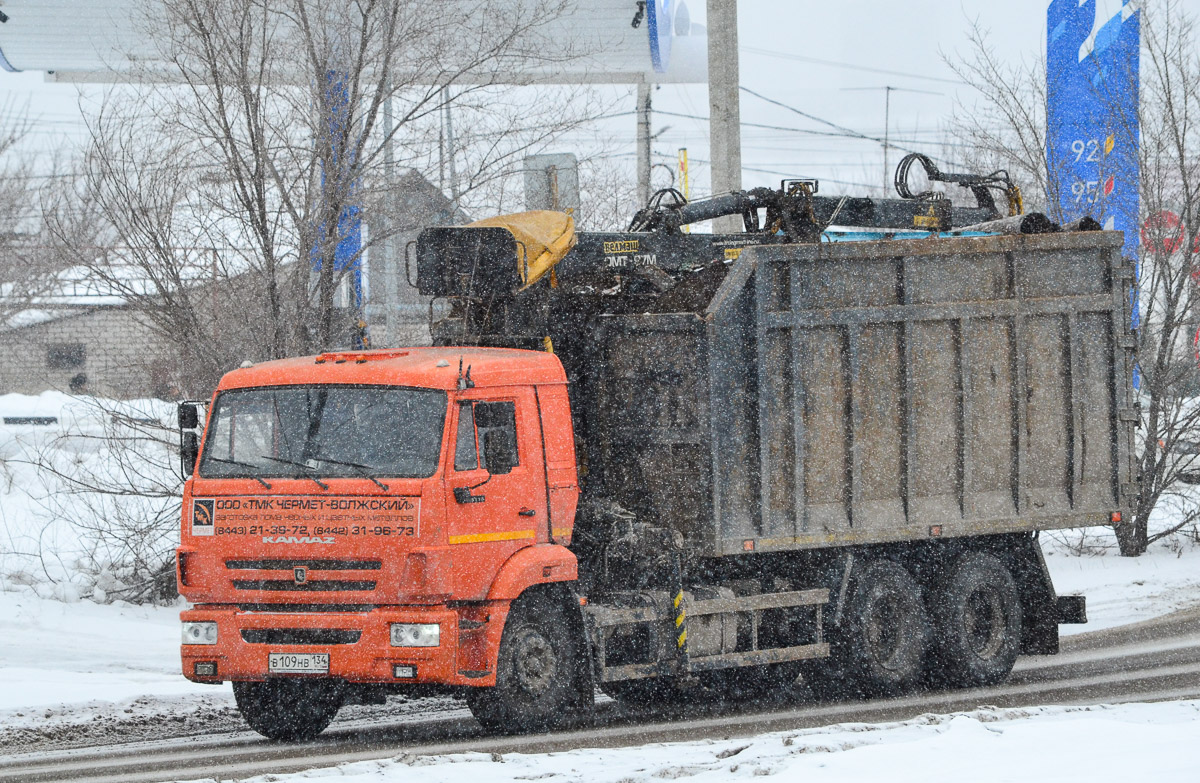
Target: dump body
(869,392)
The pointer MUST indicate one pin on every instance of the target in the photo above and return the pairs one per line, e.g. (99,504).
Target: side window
(466,451)
(497,426)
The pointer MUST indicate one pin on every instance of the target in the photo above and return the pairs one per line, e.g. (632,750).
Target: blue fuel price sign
(1092,94)
(1092,112)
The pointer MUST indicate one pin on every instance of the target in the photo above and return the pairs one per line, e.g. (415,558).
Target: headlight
(416,634)
(200,633)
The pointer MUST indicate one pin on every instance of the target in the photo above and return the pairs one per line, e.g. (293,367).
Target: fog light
(416,634)
(200,633)
(205,668)
(404,671)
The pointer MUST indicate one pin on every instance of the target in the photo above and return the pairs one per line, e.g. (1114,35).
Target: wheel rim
(536,665)
(883,630)
(983,622)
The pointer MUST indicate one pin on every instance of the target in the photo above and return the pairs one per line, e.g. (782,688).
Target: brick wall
(122,356)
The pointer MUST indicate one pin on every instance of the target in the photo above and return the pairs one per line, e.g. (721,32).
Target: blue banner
(1092,60)
(1092,93)
(348,251)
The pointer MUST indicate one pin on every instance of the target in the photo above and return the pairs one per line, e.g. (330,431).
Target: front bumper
(465,655)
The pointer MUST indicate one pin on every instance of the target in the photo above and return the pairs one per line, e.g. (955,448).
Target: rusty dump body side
(869,392)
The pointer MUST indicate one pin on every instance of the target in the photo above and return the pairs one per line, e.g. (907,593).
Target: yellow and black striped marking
(680,621)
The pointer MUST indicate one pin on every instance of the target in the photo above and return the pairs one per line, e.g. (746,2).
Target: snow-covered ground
(1118,744)
(1122,590)
(76,663)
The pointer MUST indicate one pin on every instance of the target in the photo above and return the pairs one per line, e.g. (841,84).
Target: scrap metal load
(498,256)
(772,391)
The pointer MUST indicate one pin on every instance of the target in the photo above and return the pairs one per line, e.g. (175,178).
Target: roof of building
(433,368)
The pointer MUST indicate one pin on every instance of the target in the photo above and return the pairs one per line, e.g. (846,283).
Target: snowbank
(1053,745)
(56,655)
(68,523)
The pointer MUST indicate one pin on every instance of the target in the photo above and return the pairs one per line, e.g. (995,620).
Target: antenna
(464,381)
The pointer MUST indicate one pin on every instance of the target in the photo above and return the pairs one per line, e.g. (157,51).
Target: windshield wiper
(240,464)
(362,470)
(307,470)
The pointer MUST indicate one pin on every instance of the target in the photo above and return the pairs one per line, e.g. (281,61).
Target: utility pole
(724,109)
(643,143)
(887,124)
(887,103)
(684,183)
(450,145)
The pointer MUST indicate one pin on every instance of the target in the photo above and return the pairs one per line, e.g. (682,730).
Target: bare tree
(23,262)
(1007,128)
(229,182)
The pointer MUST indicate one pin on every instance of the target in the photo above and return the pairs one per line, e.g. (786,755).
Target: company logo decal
(300,573)
(202,517)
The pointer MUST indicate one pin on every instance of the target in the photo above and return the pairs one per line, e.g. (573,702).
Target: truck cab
(361,520)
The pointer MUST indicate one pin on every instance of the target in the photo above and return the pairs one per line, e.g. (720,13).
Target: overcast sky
(790,50)
(816,55)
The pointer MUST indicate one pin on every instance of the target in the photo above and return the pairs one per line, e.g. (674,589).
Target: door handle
(526,512)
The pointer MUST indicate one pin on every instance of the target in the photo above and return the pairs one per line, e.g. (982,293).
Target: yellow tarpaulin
(543,238)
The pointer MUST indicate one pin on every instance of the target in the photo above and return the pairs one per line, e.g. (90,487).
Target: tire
(977,620)
(292,710)
(880,648)
(538,682)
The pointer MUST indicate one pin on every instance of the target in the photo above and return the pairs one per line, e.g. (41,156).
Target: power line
(807,131)
(777,172)
(850,66)
(823,121)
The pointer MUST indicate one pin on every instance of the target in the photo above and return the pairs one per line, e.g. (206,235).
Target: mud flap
(1072,610)
(1039,603)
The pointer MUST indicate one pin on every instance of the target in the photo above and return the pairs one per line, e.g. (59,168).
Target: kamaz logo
(297,539)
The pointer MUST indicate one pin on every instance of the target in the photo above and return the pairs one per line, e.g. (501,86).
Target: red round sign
(1163,231)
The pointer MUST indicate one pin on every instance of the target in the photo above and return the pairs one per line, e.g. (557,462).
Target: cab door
(496,485)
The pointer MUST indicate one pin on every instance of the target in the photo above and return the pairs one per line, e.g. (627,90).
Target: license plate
(298,663)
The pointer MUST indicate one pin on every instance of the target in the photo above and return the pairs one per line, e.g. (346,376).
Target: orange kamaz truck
(669,466)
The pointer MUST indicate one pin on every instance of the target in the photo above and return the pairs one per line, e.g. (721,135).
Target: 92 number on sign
(1089,146)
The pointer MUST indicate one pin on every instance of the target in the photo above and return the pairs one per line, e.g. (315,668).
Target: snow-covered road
(1107,744)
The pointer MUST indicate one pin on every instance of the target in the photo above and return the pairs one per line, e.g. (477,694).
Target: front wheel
(538,684)
(292,710)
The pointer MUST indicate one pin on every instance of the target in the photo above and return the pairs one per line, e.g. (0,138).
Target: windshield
(326,431)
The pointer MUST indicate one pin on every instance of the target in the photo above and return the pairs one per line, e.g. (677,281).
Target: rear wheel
(879,649)
(289,709)
(538,685)
(977,617)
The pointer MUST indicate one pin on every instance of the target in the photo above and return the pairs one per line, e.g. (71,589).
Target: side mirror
(189,449)
(189,416)
(499,451)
